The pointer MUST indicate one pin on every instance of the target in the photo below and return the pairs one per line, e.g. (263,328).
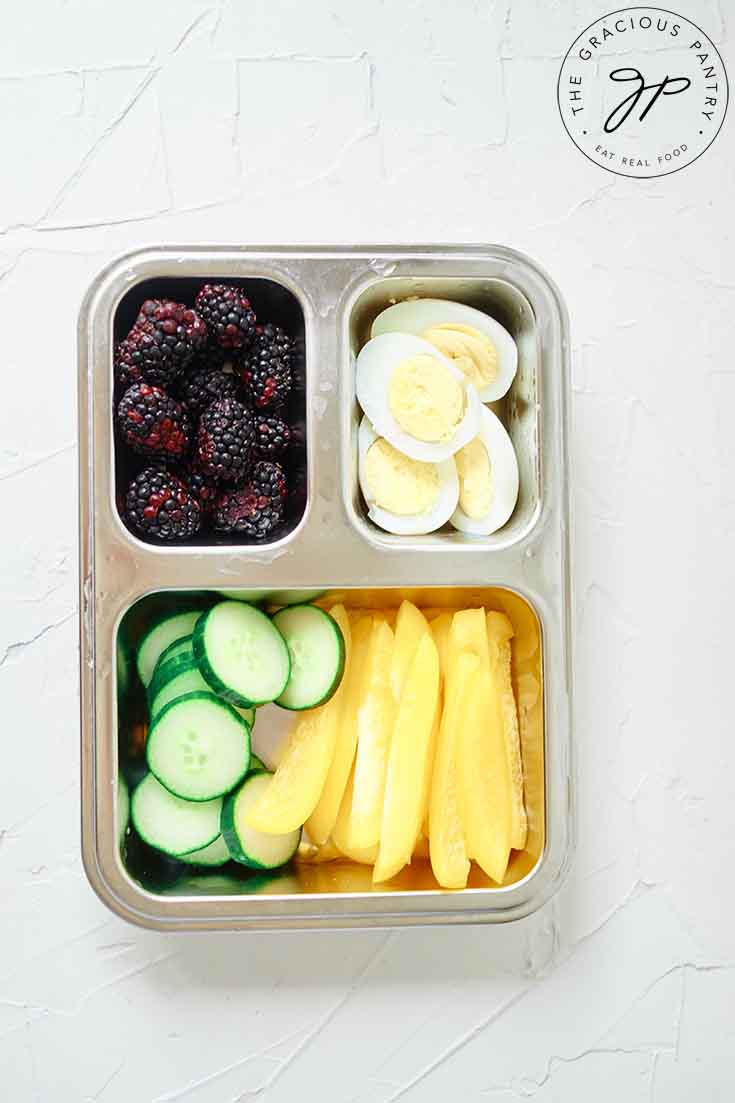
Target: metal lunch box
(328,542)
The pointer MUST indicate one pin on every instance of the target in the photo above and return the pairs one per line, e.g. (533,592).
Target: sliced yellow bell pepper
(446,834)
(468,632)
(484,785)
(410,627)
(340,831)
(341,839)
(440,628)
(321,822)
(297,784)
(484,779)
(375,719)
(409,751)
(500,633)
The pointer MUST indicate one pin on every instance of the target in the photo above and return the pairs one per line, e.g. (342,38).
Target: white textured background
(274,121)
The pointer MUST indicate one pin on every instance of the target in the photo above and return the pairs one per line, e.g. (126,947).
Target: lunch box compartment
(518,409)
(272,302)
(158,874)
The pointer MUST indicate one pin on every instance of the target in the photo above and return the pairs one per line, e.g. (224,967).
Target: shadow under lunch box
(328,297)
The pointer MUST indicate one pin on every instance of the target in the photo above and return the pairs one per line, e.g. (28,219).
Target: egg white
(418,315)
(417,524)
(504,473)
(376,363)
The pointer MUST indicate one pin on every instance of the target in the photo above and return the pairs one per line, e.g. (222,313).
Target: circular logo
(642,92)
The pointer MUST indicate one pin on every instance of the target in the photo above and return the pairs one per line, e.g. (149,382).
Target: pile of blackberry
(201,399)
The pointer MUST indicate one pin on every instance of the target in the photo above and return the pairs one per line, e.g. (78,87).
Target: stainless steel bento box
(331,544)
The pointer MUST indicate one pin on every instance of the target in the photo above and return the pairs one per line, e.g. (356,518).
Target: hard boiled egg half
(404,496)
(488,479)
(415,397)
(475,343)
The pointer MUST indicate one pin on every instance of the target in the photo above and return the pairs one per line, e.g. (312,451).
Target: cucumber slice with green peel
(293,597)
(247,846)
(166,671)
(164,632)
(317,649)
(198,747)
(181,648)
(257,766)
(241,654)
(172,825)
(186,680)
(216,854)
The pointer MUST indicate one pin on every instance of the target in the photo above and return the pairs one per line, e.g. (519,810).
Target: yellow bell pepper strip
(409,752)
(375,720)
(446,834)
(321,822)
(440,628)
(500,633)
(410,627)
(484,779)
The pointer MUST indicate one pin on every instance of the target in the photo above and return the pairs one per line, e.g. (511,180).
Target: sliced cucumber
(257,766)
(157,639)
(254,848)
(198,747)
(216,854)
(293,597)
(241,654)
(165,673)
(167,670)
(175,826)
(181,648)
(186,680)
(317,649)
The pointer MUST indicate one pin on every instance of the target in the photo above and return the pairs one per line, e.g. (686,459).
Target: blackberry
(228,314)
(270,479)
(159,504)
(272,436)
(266,368)
(165,337)
(225,440)
(152,423)
(204,384)
(204,487)
(256,508)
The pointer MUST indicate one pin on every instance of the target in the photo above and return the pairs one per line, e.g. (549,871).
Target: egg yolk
(475,479)
(472,351)
(399,484)
(425,399)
